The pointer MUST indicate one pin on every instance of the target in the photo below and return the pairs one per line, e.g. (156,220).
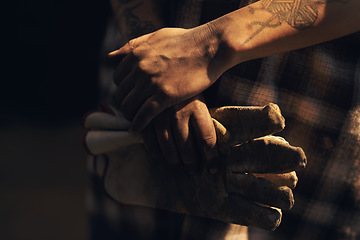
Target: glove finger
(247,123)
(268,154)
(260,190)
(239,210)
(102,120)
(282,179)
(99,142)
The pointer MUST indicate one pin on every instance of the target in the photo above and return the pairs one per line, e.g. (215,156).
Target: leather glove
(253,183)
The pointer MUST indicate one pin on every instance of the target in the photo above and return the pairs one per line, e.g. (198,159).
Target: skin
(183,134)
(157,70)
(164,68)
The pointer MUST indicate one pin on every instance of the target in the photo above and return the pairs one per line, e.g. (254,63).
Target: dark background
(51,84)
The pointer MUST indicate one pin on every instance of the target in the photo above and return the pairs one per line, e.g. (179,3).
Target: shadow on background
(43,166)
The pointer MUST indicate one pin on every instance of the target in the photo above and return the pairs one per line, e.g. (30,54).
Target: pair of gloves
(253,184)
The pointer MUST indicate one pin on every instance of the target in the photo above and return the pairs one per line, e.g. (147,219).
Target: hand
(184,135)
(163,68)
(254,171)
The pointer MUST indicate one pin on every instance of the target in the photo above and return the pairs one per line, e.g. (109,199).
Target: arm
(185,133)
(166,67)
(136,17)
(269,27)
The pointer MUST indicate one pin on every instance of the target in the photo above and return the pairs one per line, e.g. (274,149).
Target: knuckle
(198,105)
(165,91)
(143,67)
(131,44)
(151,65)
(179,116)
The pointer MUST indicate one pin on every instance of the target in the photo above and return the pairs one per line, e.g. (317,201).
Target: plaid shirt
(318,91)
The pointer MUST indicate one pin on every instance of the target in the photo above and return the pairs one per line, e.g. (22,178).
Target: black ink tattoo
(135,27)
(299,14)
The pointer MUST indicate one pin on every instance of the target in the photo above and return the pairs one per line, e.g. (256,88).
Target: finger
(120,53)
(239,210)
(125,87)
(246,123)
(260,190)
(123,68)
(148,111)
(133,101)
(282,179)
(185,143)
(165,138)
(151,142)
(205,137)
(268,154)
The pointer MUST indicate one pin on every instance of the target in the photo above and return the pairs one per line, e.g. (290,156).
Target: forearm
(136,17)
(166,67)
(269,27)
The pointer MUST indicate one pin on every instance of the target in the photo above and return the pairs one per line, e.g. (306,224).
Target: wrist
(243,34)
(229,35)
(234,31)
(218,52)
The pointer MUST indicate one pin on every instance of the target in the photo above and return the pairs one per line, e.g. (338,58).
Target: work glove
(254,181)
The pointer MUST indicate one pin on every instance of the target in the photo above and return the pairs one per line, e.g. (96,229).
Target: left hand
(161,69)
(184,135)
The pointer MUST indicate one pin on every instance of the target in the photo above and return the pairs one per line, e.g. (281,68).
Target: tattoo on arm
(135,26)
(299,14)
